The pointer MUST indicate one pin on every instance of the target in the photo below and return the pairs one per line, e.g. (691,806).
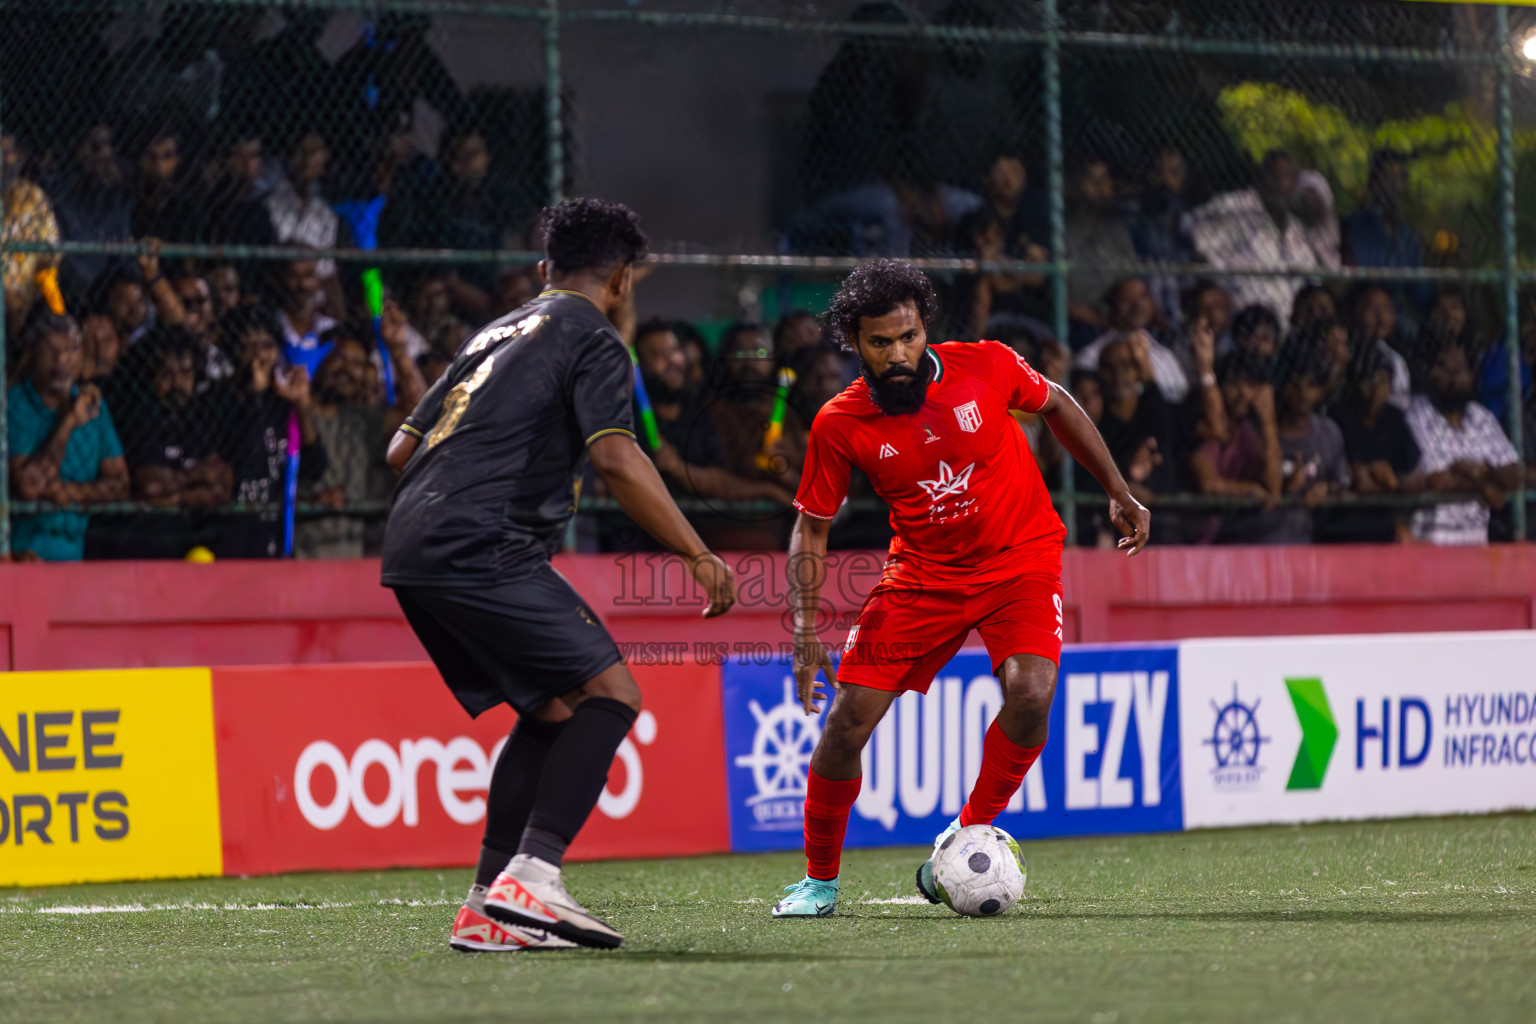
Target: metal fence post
(1507,233)
(1054,184)
(554,139)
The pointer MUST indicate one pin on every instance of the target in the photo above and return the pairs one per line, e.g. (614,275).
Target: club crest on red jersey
(949,482)
(969,416)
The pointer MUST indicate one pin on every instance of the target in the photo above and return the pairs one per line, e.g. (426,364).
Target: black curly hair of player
(592,236)
(875,289)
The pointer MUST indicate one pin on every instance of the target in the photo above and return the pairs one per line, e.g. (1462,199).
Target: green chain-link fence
(294,161)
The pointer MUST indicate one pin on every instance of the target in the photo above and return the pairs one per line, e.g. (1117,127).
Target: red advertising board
(325,767)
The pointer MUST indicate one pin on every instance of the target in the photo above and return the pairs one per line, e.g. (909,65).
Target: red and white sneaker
(476,933)
(530,894)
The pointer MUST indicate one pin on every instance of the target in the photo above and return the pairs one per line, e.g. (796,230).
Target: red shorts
(905,634)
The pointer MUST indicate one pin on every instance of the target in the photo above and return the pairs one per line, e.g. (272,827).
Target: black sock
(576,772)
(514,787)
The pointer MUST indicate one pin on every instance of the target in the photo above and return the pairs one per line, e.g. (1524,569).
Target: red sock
(1003,766)
(827,803)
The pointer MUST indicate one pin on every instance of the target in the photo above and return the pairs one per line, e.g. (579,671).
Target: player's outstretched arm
(1081,439)
(637,487)
(807,571)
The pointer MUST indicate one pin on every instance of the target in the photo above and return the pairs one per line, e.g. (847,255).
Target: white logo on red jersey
(886,451)
(949,482)
(969,416)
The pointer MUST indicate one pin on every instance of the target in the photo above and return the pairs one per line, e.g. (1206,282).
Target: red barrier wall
(128,614)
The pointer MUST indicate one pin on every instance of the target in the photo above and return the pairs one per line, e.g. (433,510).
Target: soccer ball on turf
(979,871)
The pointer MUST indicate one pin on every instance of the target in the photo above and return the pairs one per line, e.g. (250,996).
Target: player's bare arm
(807,572)
(1081,439)
(637,487)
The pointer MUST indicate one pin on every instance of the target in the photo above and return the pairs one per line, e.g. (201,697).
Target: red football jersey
(967,501)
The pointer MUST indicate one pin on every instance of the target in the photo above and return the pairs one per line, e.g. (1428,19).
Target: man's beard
(900,390)
(657,391)
(1448,402)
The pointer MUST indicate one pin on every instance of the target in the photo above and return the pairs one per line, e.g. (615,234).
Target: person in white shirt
(1132,314)
(1254,229)
(1461,448)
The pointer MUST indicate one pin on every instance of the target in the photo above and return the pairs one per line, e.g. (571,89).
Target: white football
(979,870)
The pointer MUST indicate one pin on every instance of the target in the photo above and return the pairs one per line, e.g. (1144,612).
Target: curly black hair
(590,234)
(875,289)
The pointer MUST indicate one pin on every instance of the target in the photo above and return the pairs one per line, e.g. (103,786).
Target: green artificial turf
(1431,920)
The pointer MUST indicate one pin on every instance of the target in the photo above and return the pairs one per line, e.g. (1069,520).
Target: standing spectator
(1160,229)
(1246,463)
(123,301)
(300,214)
(1132,318)
(1208,301)
(1256,330)
(1098,238)
(232,210)
(1254,229)
(355,432)
(92,202)
(1312,203)
(63,447)
(797,330)
(1024,234)
(431,313)
(998,302)
(742,394)
(1493,377)
(1378,234)
(304,327)
(1137,424)
(1312,304)
(1374,325)
(163,206)
(201,324)
(27,217)
(253,435)
(1382,453)
(224,287)
(479,209)
(697,355)
(1313,464)
(1461,448)
(100,348)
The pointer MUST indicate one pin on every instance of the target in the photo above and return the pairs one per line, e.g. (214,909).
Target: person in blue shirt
(63,446)
(1378,234)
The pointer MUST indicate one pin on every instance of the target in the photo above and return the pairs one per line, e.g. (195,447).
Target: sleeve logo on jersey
(969,416)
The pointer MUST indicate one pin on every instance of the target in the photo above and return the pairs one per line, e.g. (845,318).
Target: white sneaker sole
(521,908)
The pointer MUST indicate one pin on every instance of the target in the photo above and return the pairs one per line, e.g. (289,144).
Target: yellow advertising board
(107,775)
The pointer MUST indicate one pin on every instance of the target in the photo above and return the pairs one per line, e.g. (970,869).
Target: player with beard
(977,546)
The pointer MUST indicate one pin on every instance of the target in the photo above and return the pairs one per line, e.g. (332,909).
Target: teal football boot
(926,887)
(809,897)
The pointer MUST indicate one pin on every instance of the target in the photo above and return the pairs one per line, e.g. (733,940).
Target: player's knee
(1029,686)
(615,685)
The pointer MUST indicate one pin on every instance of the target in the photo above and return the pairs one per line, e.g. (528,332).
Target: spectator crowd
(220,390)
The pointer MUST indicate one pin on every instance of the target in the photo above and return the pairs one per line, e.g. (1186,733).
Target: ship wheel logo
(1235,738)
(781,749)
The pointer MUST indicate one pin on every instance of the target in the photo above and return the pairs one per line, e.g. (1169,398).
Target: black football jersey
(503,438)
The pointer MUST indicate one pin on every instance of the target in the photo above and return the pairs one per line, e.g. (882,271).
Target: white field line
(904,900)
(139,908)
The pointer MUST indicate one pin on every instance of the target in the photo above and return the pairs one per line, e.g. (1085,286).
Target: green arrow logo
(1318,733)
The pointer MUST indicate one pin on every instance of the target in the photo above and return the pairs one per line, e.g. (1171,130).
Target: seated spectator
(233,209)
(1461,448)
(1493,375)
(92,202)
(202,326)
(1374,325)
(225,287)
(163,204)
(1160,228)
(892,217)
(27,217)
(253,434)
(1377,233)
(692,457)
(697,354)
(1246,463)
(1002,192)
(1137,425)
(999,303)
(1383,456)
(742,395)
(355,429)
(797,330)
(301,215)
(1204,303)
(1312,303)
(1133,317)
(432,364)
(431,316)
(122,298)
(1256,331)
(303,326)
(1313,464)
(480,208)
(818,373)
(1098,237)
(101,350)
(1094,530)
(63,446)
(1254,229)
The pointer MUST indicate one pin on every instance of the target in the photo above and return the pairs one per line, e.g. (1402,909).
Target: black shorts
(523,642)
